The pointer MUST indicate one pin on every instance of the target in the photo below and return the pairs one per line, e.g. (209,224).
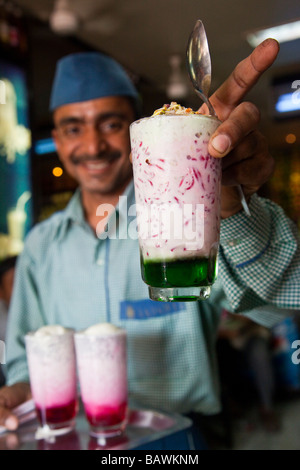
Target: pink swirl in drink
(102,368)
(177,189)
(52,371)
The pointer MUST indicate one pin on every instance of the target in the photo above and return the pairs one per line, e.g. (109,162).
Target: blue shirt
(67,275)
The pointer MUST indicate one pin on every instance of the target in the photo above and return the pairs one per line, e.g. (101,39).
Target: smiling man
(92,141)
(70,276)
(92,135)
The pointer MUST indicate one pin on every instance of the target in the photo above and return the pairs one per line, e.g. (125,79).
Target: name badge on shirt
(146,308)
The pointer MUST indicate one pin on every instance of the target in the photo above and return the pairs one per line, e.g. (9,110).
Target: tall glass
(177,189)
(16,219)
(52,371)
(101,353)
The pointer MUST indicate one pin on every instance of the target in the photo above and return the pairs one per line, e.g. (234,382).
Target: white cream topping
(51,330)
(103,329)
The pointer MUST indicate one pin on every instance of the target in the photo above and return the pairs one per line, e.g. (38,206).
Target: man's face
(92,141)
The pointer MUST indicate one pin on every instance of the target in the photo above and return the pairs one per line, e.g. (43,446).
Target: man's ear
(54,136)
(55,139)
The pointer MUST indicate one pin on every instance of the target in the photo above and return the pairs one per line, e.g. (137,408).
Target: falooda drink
(52,370)
(101,352)
(177,189)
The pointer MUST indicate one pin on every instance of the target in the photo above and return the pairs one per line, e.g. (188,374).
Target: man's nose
(95,142)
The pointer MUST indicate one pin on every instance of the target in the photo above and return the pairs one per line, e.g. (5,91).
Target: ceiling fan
(72,17)
(63,20)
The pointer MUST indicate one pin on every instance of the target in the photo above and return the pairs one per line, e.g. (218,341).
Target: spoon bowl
(199,64)
(199,68)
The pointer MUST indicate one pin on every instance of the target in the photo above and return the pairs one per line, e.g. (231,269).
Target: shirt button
(100,262)
(233,242)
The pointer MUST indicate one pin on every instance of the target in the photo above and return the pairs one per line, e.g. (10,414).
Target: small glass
(52,371)
(102,371)
(16,219)
(177,188)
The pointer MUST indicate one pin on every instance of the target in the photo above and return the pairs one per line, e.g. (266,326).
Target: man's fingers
(243,120)
(246,149)
(8,420)
(10,397)
(249,164)
(243,77)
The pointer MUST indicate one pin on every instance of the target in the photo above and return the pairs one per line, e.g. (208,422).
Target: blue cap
(86,76)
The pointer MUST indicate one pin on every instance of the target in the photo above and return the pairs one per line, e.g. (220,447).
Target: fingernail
(10,423)
(221,143)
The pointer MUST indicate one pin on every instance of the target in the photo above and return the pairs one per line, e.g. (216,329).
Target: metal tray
(144,426)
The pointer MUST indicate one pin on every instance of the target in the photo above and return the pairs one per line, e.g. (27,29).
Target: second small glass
(101,352)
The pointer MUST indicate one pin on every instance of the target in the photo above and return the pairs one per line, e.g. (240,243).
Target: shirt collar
(74,212)
(126,200)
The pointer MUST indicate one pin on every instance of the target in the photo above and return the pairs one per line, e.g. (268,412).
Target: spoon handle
(206,101)
(243,200)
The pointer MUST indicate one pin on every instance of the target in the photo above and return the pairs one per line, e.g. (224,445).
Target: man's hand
(247,161)
(10,397)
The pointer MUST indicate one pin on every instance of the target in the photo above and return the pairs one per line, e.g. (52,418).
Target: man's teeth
(96,165)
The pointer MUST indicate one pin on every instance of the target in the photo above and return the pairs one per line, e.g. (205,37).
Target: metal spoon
(199,68)
(199,64)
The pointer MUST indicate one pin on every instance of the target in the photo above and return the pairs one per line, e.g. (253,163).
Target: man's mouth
(96,165)
(98,162)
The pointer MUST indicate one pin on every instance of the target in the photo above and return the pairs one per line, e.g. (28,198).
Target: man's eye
(111,126)
(72,131)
